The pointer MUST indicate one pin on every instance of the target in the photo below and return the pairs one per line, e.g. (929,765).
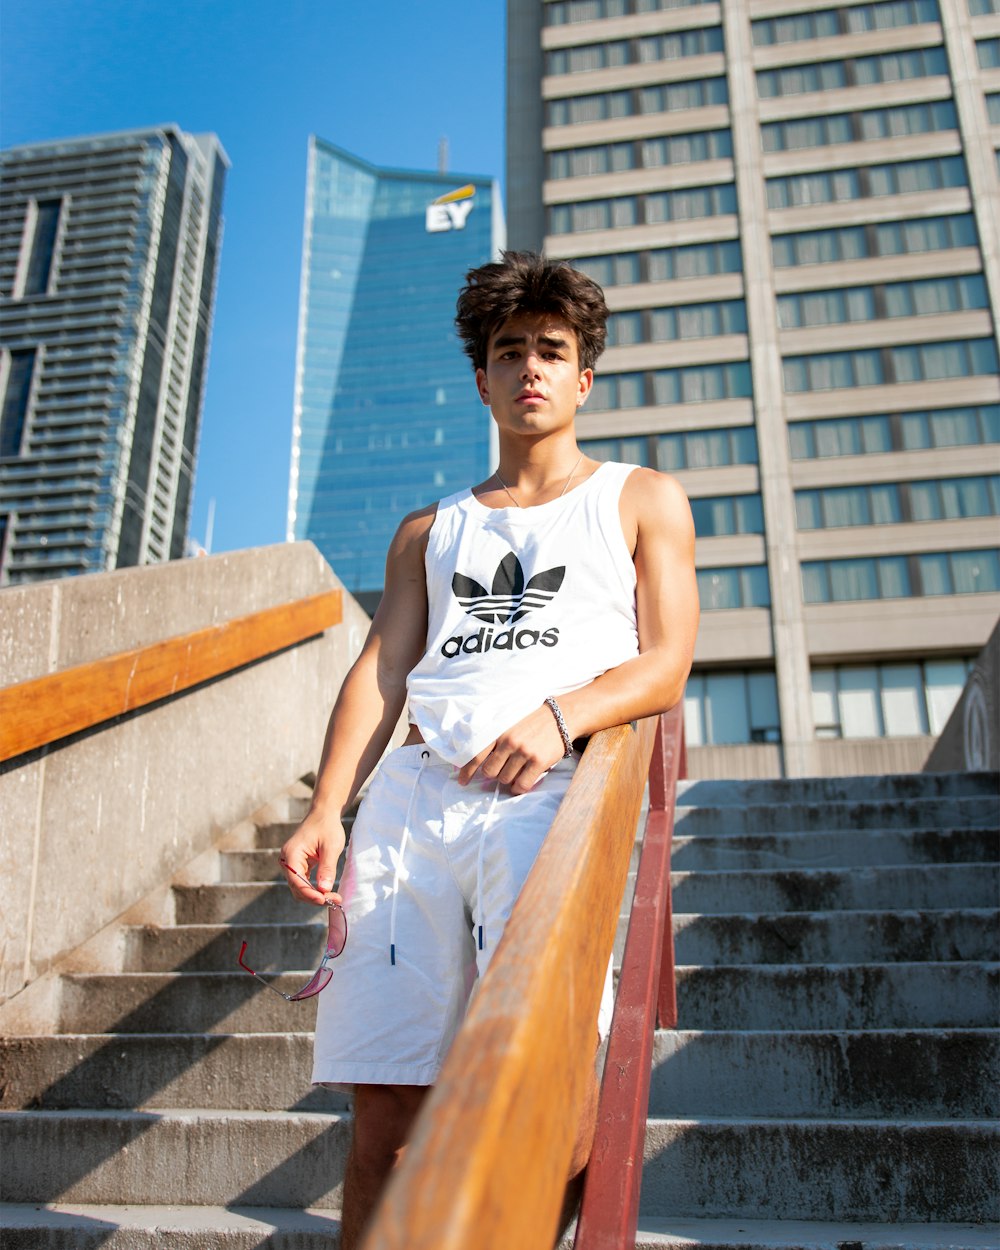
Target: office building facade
(386,416)
(108,256)
(794,209)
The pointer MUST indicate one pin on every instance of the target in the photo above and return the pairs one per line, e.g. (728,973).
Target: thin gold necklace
(559,496)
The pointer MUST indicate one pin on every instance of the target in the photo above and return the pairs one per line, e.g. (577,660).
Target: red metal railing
(647,998)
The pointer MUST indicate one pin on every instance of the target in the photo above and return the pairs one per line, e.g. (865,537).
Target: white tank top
(522,603)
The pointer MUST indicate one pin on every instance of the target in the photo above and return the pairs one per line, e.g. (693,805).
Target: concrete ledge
(94,823)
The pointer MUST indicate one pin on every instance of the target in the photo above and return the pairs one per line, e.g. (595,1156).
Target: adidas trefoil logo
(511,597)
(509,600)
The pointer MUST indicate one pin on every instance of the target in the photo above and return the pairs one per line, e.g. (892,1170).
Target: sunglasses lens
(316,983)
(337,939)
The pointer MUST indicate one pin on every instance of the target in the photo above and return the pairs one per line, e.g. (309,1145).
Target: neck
(534,469)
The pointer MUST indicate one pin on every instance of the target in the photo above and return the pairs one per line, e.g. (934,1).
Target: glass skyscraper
(386,416)
(108,256)
(794,209)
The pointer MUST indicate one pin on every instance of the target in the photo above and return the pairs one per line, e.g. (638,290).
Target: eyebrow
(518,340)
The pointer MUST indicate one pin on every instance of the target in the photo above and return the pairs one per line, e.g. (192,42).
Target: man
(554,599)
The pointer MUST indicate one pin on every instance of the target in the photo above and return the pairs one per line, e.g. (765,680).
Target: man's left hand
(520,755)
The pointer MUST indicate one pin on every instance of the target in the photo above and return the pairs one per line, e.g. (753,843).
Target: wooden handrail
(490,1154)
(41,711)
(609,1212)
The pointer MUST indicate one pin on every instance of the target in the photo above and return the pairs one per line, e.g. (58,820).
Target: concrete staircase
(833,1082)
(835,1079)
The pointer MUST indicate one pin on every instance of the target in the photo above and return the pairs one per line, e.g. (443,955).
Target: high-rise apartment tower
(386,414)
(794,210)
(108,256)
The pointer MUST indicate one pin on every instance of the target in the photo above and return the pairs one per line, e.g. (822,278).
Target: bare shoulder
(410,539)
(655,507)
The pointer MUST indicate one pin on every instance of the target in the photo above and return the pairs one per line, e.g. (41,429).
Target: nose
(531,365)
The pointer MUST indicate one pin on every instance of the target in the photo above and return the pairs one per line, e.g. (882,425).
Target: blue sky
(385,79)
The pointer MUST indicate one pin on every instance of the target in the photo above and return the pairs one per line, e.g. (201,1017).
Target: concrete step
(821,937)
(721,1234)
(149,1071)
(187,1002)
(823,889)
(812,889)
(775,937)
(847,848)
(215,947)
(882,787)
(821,1170)
(803,996)
(77,1226)
(197,1157)
(802,817)
(877,1074)
(844,996)
(240,903)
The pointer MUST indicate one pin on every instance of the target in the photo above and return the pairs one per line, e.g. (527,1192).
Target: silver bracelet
(556,711)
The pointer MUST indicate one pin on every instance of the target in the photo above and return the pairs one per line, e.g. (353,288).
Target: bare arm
(367,709)
(657,522)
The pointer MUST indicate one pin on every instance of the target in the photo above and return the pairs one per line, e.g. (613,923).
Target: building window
(993,105)
(645,154)
(41,228)
(891,503)
(907,431)
(867,182)
(19,368)
(885,123)
(727,514)
(988,53)
(642,51)
(826,23)
(669,97)
(730,707)
(886,700)
(685,204)
(887,238)
(859,71)
(690,384)
(665,264)
(922,362)
(918,298)
(743,586)
(901,577)
(979,8)
(565,12)
(694,449)
(690,321)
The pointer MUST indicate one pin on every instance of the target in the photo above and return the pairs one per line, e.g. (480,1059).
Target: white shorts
(432,873)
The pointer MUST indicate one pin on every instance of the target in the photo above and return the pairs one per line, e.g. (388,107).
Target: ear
(586,382)
(482,386)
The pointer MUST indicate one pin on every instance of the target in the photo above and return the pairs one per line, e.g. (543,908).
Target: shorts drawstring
(424,757)
(479,863)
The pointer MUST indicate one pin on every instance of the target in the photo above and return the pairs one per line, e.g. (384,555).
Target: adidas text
(506,640)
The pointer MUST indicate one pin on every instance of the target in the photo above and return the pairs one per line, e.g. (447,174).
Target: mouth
(528,397)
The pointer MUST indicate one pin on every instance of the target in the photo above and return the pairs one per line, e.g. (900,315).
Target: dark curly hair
(524,282)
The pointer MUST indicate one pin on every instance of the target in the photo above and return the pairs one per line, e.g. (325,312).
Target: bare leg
(383,1117)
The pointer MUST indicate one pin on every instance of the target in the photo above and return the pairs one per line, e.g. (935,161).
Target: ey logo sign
(448,212)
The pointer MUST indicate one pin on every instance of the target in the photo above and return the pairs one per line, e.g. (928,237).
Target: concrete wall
(92,824)
(971,738)
(822,758)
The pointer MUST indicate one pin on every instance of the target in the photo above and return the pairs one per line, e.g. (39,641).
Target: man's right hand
(318,840)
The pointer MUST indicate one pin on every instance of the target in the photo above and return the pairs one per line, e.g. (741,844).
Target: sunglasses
(336,940)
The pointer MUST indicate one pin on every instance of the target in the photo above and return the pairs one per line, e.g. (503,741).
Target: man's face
(532,380)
